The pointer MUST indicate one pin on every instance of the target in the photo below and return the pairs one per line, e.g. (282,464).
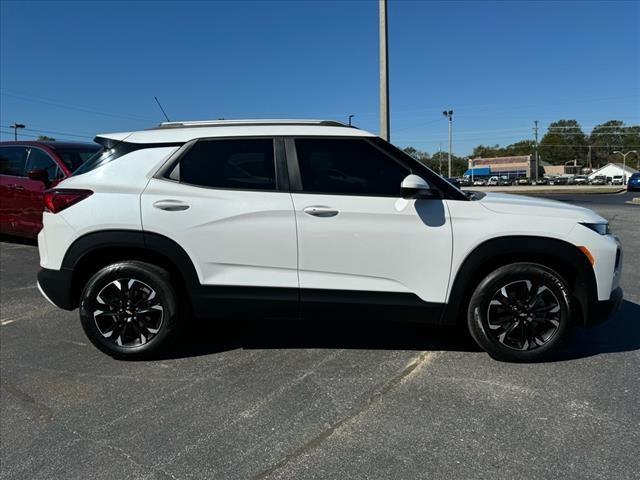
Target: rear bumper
(55,286)
(605,309)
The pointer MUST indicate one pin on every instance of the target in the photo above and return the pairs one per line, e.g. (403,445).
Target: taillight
(58,199)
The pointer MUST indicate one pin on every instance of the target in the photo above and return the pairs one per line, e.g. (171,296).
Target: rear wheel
(520,312)
(129,309)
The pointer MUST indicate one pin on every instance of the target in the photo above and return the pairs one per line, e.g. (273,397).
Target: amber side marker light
(587,253)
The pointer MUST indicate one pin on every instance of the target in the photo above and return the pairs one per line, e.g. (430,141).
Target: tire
(520,312)
(129,309)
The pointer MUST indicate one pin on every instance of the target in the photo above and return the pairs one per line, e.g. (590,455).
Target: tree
(563,142)
(604,140)
(44,138)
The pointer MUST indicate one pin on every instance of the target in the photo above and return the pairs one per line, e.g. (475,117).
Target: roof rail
(225,123)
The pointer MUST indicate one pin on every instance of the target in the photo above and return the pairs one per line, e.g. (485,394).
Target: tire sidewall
(477,320)
(156,278)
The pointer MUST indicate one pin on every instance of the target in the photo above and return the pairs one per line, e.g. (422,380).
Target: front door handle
(171,205)
(321,211)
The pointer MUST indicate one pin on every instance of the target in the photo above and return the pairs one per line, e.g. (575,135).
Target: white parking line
(33,313)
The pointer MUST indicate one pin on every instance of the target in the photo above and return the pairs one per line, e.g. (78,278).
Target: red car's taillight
(58,199)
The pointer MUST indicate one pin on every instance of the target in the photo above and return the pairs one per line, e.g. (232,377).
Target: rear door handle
(321,211)
(16,187)
(171,205)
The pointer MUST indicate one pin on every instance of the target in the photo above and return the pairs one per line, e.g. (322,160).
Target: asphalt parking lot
(334,399)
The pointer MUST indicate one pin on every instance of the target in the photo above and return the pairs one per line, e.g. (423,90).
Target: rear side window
(39,160)
(105,155)
(347,167)
(74,157)
(242,164)
(13,161)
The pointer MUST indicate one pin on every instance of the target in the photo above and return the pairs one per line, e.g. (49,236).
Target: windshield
(76,156)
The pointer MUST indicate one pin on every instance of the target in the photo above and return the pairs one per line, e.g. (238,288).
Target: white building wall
(610,170)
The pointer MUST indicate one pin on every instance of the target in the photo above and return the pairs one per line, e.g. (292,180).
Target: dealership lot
(334,399)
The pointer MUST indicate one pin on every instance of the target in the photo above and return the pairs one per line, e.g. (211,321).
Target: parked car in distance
(299,219)
(559,181)
(480,182)
(599,180)
(27,169)
(505,181)
(616,180)
(524,181)
(465,181)
(580,180)
(540,181)
(633,184)
(493,181)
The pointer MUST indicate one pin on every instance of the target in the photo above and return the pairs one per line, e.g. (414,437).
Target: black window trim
(167,171)
(296,178)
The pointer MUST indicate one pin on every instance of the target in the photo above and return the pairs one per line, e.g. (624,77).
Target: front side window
(13,161)
(347,167)
(243,164)
(39,160)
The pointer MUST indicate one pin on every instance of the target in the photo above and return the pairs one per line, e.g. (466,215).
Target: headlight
(601,228)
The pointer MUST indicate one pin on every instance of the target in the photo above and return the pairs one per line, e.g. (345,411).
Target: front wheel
(520,312)
(129,309)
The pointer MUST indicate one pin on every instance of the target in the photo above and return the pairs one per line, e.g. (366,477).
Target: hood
(539,207)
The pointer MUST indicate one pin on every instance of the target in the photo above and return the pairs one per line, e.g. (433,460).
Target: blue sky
(83,68)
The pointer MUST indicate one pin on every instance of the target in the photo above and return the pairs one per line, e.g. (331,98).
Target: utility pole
(449,115)
(440,157)
(384,73)
(535,129)
(15,127)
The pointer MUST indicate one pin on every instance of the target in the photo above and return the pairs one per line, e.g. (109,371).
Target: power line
(53,132)
(55,103)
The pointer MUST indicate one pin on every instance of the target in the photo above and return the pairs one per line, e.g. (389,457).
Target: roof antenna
(163,112)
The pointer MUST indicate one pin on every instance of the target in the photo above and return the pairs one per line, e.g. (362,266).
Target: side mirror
(415,187)
(39,175)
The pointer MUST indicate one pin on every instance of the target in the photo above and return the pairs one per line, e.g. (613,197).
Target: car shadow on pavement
(10,239)
(215,336)
(619,334)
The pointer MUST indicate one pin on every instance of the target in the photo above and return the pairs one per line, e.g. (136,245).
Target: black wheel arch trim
(154,243)
(502,250)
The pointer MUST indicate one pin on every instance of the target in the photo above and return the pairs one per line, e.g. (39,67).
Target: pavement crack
(33,406)
(404,375)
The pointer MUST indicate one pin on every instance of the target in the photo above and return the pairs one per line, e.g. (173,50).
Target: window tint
(39,160)
(12,160)
(74,157)
(347,166)
(242,164)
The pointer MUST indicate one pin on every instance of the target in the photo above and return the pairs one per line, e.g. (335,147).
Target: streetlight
(624,164)
(15,127)
(350,117)
(449,115)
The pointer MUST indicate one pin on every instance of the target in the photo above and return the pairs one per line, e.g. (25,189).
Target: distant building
(613,169)
(512,167)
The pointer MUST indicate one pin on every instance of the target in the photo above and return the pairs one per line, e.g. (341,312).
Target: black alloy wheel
(520,312)
(129,309)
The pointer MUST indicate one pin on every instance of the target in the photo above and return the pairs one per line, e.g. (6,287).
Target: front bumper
(55,286)
(604,309)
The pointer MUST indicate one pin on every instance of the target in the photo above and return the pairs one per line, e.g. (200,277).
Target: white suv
(311,218)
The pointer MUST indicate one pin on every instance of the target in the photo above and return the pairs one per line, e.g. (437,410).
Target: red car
(27,169)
